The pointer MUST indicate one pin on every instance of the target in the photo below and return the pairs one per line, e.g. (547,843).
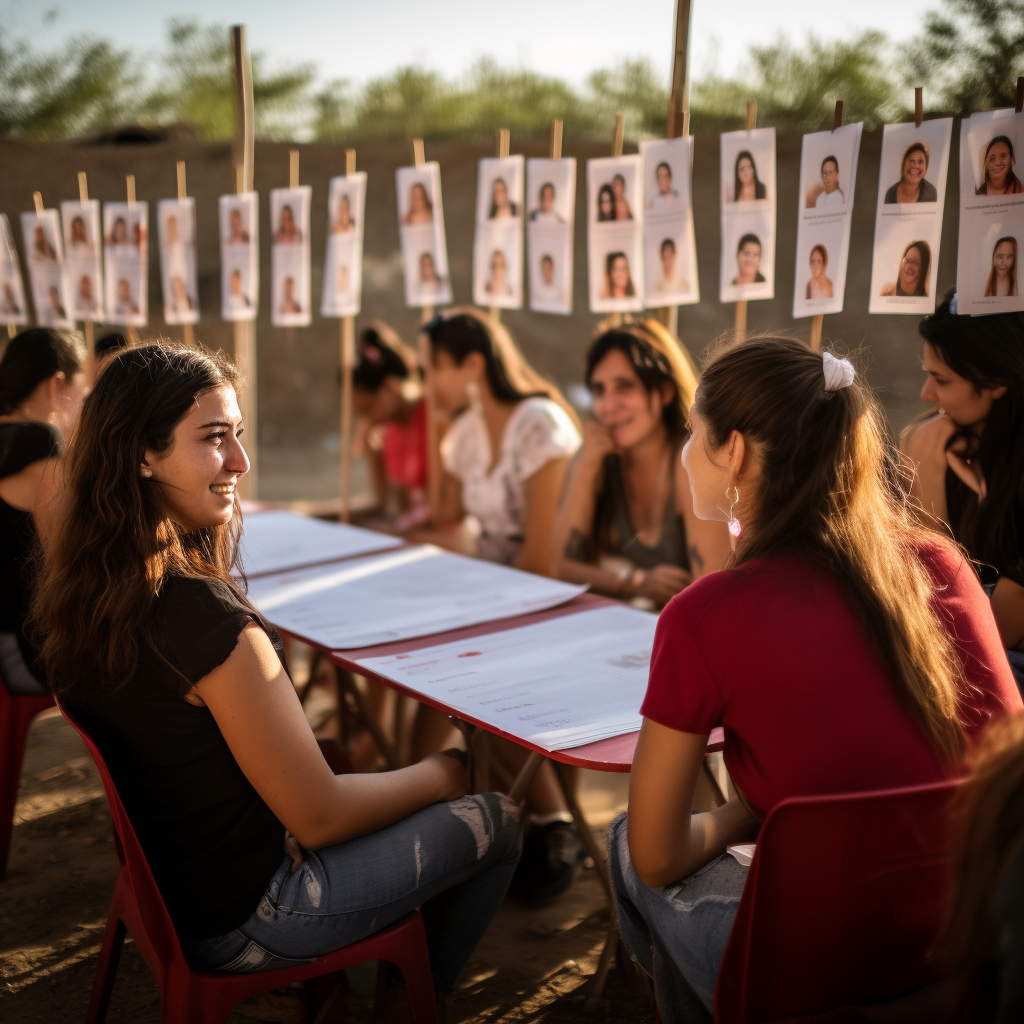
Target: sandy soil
(531,966)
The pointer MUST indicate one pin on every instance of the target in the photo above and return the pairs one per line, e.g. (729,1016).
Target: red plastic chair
(842,906)
(16,714)
(190,996)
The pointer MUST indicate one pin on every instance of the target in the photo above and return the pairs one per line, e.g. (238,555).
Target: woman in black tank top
(41,388)
(627,495)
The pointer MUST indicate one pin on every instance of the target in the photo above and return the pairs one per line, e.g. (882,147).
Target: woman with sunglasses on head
(627,498)
(838,630)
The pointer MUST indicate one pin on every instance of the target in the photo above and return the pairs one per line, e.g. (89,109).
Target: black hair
(760,191)
(749,238)
(381,355)
(989,352)
(605,190)
(36,355)
(827,160)
(667,243)
(664,163)
(113,342)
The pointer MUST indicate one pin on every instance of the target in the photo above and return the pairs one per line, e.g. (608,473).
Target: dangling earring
(735,529)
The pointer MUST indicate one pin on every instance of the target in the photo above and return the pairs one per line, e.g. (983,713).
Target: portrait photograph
(289,215)
(820,279)
(499,189)
(425,267)
(995,152)
(343,260)
(996,245)
(670,270)
(914,165)
(346,201)
(81,222)
(179,277)
(666,176)
(239,256)
(614,189)
(748,257)
(904,265)
(550,192)
(748,168)
(49,295)
(41,234)
(13,307)
(126,227)
(828,169)
(291,300)
(126,293)
(421,232)
(85,294)
(498,265)
(551,271)
(616,272)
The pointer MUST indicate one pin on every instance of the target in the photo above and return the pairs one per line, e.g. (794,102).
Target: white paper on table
(278,540)
(558,684)
(415,592)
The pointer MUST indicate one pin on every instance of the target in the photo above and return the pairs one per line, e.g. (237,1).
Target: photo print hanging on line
(126,262)
(550,219)
(343,263)
(421,230)
(83,258)
(239,256)
(179,273)
(44,250)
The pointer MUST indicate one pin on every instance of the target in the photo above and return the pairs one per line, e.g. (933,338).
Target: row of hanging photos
(641,244)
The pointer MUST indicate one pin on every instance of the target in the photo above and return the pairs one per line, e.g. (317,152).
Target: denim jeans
(453,860)
(677,933)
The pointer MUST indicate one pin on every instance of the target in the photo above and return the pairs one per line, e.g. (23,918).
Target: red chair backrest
(842,906)
(152,930)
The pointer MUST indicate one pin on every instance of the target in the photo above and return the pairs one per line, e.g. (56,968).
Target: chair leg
(106,968)
(14,725)
(415,968)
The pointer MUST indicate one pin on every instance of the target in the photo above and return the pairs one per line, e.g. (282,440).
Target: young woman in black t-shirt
(41,388)
(179,680)
(968,454)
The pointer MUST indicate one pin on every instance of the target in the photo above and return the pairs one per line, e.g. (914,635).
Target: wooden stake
(188,334)
(817,321)
(739,328)
(37,198)
(619,134)
(293,168)
(918,106)
(1019,105)
(555,151)
(423,351)
(130,181)
(87,325)
(348,359)
(245,330)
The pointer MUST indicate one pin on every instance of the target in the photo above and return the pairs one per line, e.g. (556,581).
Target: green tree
(83,86)
(971,53)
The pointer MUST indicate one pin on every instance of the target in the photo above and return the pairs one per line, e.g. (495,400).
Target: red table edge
(614,754)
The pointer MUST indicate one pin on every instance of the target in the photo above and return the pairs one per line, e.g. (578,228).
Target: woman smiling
(912,186)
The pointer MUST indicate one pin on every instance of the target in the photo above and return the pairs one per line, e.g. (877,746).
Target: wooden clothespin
(1019,105)
(918,106)
(555,149)
(620,131)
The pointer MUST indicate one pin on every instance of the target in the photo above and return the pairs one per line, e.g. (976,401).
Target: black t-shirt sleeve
(196,626)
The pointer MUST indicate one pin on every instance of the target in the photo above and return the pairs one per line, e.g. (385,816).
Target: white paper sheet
(398,596)
(558,684)
(278,540)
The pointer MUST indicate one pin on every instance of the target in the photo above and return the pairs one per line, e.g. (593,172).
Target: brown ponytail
(828,490)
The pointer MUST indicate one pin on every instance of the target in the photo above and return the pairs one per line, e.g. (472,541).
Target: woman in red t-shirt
(387,396)
(826,649)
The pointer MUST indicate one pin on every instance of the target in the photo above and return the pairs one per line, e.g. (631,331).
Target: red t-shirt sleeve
(681,690)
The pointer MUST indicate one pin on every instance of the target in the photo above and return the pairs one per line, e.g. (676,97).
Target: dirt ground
(531,965)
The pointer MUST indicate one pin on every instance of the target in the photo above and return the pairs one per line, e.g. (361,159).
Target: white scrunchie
(839,373)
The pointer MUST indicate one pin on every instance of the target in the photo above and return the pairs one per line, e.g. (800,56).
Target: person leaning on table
(262,855)
(838,629)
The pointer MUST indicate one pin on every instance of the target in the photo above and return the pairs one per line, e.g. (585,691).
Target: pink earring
(735,529)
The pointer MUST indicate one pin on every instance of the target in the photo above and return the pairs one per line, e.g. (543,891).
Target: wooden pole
(37,198)
(245,330)
(131,331)
(555,152)
(423,350)
(348,359)
(740,323)
(818,321)
(186,329)
(503,146)
(87,325)
(918,106)
(678,124)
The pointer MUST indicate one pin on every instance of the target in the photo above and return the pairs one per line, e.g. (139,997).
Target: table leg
(525,777)
(590,844)
(347,685)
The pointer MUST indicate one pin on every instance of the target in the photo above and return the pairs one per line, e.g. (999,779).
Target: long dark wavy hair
(760,191)
(829,491)
(112,543)
(511,378)
(989,352)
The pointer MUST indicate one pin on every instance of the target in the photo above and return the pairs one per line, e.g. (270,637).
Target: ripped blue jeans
(453,860)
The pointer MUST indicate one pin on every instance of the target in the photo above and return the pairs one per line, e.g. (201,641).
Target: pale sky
(358,40)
